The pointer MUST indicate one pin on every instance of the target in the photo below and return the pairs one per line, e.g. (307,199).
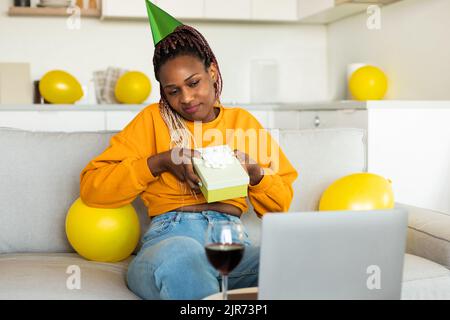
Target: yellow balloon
(133,87)
(106,235)
(359,191)
(60,87)
(368,83)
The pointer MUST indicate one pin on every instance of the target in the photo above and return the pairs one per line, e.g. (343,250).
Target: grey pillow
(39,180)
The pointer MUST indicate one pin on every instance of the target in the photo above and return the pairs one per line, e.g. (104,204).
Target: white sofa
(39,180)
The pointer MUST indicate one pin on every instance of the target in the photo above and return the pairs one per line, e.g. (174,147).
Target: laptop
(332,255)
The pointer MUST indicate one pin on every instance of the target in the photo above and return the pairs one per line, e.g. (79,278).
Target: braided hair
(184,40)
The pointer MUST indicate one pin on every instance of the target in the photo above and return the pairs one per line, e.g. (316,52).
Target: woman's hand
(253,169)
(177,161)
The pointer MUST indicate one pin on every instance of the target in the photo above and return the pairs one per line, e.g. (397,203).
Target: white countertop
(320,105)
(304,106)
(408,104)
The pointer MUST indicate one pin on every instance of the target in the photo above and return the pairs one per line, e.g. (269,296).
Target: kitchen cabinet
(332,119)
(262,117)
(124,9)
(288,120)
(69,121)
(283,119)
(115,118)
(136,9)
(303,11)
(24,120)
(182,9)
(312,119)
(327,11)
(207,10)
(228,10)
(52,121)
(251,10)
(280,10)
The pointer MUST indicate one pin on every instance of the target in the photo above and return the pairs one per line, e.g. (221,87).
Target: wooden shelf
(31,11)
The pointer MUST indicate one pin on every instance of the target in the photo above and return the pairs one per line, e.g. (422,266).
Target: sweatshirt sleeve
(118,175)
(274,192)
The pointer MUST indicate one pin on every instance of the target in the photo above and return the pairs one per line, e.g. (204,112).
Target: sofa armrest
(428,234)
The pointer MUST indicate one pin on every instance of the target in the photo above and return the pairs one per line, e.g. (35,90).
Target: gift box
(221,173)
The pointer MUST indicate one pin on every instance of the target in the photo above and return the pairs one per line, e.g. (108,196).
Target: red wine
(224,257)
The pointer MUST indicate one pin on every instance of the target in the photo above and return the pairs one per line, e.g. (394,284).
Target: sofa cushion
(428,234)
(46,277)
(424,279)
(320,156)
(40,176)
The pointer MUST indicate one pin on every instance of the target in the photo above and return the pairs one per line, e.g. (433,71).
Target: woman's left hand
(253,169)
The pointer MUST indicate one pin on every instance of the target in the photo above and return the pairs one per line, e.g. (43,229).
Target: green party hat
(161,23)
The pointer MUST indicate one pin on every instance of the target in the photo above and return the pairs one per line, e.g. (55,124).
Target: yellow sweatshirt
(118,175)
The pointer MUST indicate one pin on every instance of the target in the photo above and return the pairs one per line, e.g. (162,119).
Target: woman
(143,160)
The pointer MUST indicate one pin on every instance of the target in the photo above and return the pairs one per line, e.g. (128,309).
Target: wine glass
(224,246)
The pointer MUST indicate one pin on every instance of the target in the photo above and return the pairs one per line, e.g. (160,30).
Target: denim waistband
(186,215)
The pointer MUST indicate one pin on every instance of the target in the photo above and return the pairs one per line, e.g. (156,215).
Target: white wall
(412,47)
(48,44)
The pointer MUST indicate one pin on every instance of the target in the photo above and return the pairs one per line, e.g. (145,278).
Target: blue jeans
(172,263)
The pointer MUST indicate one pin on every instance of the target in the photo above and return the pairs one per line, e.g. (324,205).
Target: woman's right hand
(177,161)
